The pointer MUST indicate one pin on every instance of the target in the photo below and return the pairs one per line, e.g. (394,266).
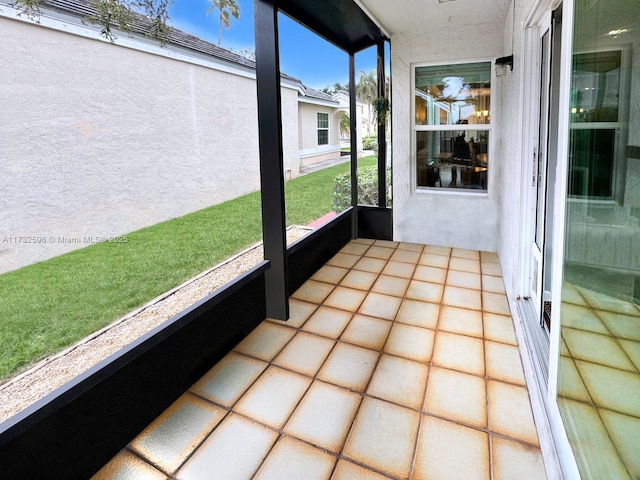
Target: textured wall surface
(289,108)
(99,140)
(509,183)
(438,218)
(308,133)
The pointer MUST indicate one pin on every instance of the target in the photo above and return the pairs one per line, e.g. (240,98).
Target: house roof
(316,97)
(317,94)
(83,8)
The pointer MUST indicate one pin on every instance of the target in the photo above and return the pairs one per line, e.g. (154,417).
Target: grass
(50,305)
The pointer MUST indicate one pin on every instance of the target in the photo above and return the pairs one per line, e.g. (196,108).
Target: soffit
(402,16)
(341,22)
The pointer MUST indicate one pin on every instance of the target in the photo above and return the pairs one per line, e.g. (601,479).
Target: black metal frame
(382,133)
(310,253)
(375,222)
(353,127)
(271,156)
(341,22)
(327,19)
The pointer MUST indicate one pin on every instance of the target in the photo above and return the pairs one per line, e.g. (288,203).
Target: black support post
(271,157)
(382,134)
(353,128)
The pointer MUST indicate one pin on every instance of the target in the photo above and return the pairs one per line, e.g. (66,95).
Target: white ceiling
(399,16)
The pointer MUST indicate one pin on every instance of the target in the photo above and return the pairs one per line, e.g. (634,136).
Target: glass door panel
(599,365)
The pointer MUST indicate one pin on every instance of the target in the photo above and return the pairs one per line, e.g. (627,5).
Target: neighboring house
(342,97)
(319,124)
(175,131)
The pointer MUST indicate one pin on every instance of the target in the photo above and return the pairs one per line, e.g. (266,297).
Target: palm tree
(227,8)
(335,88)
(345,125)
(367,90)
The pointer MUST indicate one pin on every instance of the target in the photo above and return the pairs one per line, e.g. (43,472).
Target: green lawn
(50,305)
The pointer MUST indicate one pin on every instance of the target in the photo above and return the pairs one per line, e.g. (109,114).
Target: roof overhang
(341,22)
(317,101)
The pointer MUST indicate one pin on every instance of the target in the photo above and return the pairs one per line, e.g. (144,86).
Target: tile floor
(599,382)
(399,362)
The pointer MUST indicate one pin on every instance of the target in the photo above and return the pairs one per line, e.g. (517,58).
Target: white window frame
(322,129)
(459,127)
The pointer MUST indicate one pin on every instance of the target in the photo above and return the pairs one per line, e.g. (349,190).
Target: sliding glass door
(599,366)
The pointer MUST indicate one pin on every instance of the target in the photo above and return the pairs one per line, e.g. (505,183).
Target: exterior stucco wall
(289,110)
(441,218)
(510,182)
(343,107)
(310,151)
(99,140)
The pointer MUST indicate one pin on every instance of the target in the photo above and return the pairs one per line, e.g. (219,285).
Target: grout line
(204,438)
(414,456)
(363,395)
(316,379)
(144,459)
(313,379)
(229,410)
(486,377)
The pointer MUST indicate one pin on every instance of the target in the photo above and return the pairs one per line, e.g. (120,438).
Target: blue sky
(303,54)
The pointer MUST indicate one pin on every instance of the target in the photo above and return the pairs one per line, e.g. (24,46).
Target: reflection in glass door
(599,364)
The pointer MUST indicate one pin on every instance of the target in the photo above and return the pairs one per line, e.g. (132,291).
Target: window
(323,128)
(451,125)
(595,152)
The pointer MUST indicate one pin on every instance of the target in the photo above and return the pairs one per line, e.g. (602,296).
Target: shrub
(370,143)
(367,188)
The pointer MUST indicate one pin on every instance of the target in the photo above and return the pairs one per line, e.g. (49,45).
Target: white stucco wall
(463,221)
(310,151)
(344,107)
(289,111)
(510,178)
(100,140)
